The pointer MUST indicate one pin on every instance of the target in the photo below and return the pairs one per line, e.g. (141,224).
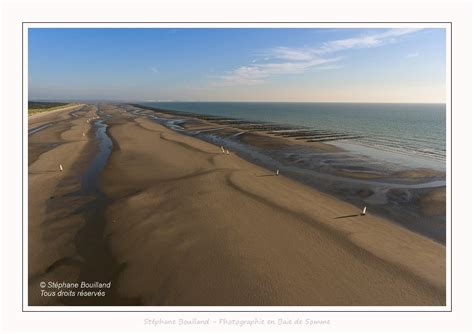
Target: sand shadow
(44,172)
(347,216)
(263,175)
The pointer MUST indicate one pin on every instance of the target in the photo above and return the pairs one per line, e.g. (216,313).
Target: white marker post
(364,210)
(60,167)
(227,152)
(278,172)
(222,149)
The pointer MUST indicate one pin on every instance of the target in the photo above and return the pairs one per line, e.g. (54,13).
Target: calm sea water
(409,131)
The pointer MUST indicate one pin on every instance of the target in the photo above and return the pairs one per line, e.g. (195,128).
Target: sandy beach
(52,221)
(174,221)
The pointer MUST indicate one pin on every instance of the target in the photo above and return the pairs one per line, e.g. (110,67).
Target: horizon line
(223,101)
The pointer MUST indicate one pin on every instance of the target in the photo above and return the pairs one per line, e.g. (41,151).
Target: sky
(396,65)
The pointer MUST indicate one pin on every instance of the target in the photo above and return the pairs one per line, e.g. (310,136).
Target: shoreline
(328,123)
(406,196)
(306,136)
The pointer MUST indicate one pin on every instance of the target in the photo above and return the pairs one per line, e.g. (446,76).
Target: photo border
(257,309)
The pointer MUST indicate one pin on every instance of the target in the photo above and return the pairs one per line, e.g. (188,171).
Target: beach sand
(188,225)
(52,218)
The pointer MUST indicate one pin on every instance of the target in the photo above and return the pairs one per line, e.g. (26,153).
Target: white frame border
(373,25)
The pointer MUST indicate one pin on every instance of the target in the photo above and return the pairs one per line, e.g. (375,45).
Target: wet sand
(185,224)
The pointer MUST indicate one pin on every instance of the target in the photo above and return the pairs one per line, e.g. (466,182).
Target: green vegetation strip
(36,107)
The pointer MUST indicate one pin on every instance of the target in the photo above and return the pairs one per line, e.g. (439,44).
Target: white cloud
(154,69)
(255,74)
(412,55)
(286,60)
(291,54)
(365,41)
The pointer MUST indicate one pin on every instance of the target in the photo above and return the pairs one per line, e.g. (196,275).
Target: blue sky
(228,64)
